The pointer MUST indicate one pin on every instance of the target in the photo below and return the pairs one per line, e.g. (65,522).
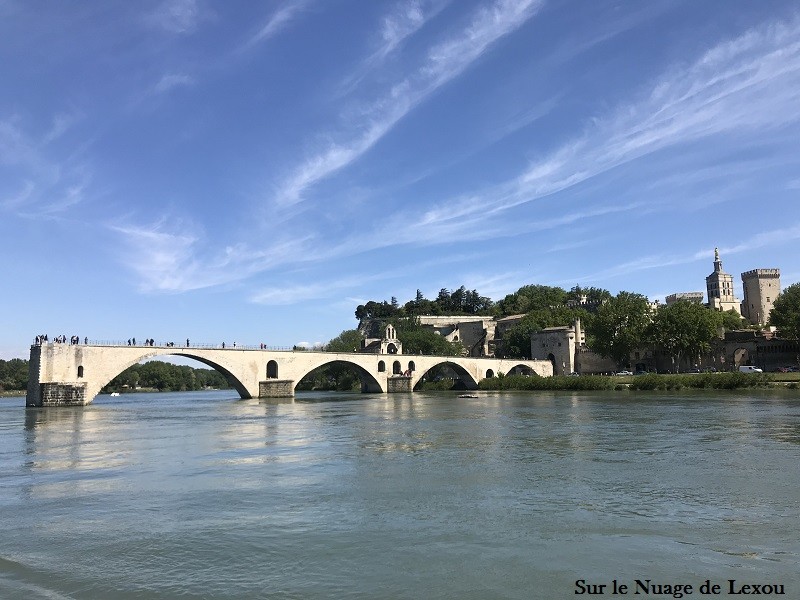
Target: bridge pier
(276,388)
(399,384)
(57,394)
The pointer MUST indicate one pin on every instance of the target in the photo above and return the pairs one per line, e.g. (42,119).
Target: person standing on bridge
(187,342)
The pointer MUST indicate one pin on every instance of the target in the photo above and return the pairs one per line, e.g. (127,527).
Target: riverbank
(719,381)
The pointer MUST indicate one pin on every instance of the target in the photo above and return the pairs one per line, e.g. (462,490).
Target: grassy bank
(708,381)
(558,382)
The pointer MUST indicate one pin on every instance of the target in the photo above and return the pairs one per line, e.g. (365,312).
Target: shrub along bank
(557,382)
(715,381)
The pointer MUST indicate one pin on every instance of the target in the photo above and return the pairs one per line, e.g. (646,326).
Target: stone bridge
(72,375)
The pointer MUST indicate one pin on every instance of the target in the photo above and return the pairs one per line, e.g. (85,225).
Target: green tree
(592,294)
(347,341)
(423,340)
(785,314)
(531,297)
(13,374)
(684,329)
(731,320)
(618,326)
(516,340)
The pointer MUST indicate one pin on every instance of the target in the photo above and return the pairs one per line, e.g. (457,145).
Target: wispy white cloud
(177,16)
(443,62)
(20,197)
(167,255)
(277,22)
(61,124)
(749,86)
(773,237)
(170,81)
(403,22)
(34,179)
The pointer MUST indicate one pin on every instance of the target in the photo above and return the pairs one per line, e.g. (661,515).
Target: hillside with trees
(13,374)
(155,374)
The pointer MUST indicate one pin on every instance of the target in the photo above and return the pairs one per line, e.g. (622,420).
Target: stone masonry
(63,374)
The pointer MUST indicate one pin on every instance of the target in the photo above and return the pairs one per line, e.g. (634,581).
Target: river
(507,495)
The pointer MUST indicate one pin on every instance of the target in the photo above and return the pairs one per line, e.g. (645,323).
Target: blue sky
(252,171)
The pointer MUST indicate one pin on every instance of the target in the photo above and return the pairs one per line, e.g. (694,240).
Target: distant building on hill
(761,287)
(719,286)
(696,297)
(566,348)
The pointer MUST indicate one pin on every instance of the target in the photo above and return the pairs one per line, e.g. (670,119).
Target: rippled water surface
(202,495)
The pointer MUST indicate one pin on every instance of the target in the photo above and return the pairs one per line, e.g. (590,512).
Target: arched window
(272,370)
(391,349)
(381,367)
(396,368)
(411,365)
(489,373)
(80,371)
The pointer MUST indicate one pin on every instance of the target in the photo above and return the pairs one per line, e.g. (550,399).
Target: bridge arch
(368,381)
(521,369)
(469,380)
(118,368)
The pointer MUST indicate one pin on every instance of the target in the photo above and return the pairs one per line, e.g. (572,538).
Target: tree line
(615,325)
(13,374)
(166,377)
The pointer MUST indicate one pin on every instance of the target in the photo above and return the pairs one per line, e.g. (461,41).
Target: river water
(507,495)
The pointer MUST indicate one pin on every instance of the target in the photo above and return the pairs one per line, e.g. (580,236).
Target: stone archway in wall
(368,381)
(741,356)
(272,369)
(234,381)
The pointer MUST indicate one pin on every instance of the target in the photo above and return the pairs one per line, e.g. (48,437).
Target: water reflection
(203,493)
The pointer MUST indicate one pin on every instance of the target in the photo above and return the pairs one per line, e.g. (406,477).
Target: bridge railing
(171,345)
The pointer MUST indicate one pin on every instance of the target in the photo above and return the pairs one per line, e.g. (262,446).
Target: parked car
(749,369)
(624,373)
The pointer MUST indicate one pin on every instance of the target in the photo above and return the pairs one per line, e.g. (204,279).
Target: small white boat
(114,394)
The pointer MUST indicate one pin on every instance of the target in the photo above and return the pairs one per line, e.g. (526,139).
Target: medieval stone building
(761,287)
(719,287)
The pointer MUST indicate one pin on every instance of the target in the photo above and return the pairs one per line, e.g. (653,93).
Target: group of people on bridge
(60,339)
(147,342)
